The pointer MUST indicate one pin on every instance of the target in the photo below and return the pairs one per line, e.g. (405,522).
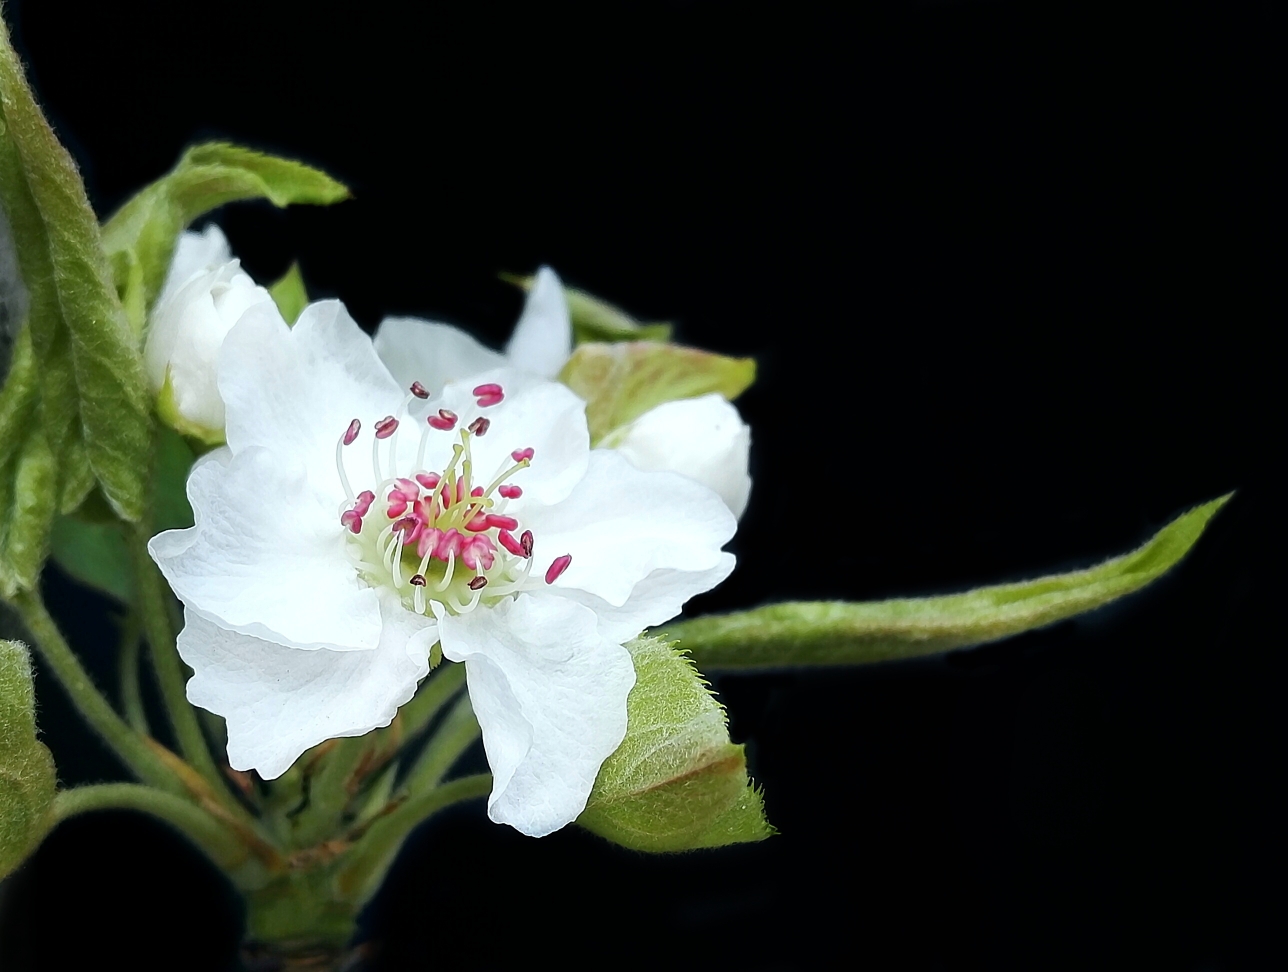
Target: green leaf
(842,633)
(676,782)
(27,474)
(289,294)
(140,237)
(27,776)
(598,320)
(95,554)
(620,382)
(94,405)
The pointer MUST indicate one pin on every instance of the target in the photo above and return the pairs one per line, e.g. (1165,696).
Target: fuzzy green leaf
(26,464)
(676,782)
(94,404)
(842,633)
(620,382)
(290,294)
(27,776)
(140,237)
(598,320)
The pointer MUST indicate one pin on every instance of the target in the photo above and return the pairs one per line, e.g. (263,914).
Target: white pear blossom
(350,524)
(204,295)
(704,440)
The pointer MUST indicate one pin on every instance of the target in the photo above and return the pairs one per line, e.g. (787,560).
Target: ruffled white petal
(280,701)
(550,693)
(702,438)
(620,524)
(542,340)
(193,253)
(542,415)
(656,599)
(266,556)
(294,390)
(431,353)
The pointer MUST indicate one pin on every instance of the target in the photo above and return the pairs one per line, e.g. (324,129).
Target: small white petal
(702,438)
(620,524)
(194,253)
(266,556)
(431,353)
(542,340)
(281,701)
(550,695)
(294,390)
(656,599)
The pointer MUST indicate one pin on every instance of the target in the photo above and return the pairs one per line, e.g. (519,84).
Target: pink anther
(351,519)
(510,492)
(410,528)
(417,580)
(419,390)
(477,491)
(491,388)
(478,583)
(408,488)
(558,567)
(526,540)
(351,432)
(444,421)
(429,480)
(511,544)
(478,523)
(428,541)
(480,425)
(449,543)
(487,401)
(386,427)
(397,505)
(502,522)
(518,455)
(478,550)
(363,502)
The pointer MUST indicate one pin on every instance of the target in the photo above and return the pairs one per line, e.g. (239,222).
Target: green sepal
(26,464)
(620,382)
(141,236)
(594,319)
(94,406)
(676,782)
(845,633)
(27,776)
(290,294)
(170,416)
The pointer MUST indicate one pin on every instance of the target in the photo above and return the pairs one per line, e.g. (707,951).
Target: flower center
(439,535)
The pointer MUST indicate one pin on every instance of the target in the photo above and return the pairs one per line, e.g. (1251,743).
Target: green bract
(676,782)
(93,403)
(27,778)
(842,633)
(598,320)
(289,294)
(140,237)
(620,382)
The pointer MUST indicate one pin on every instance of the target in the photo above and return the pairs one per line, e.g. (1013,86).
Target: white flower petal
(267,556)
(702,438)
(539,414)
(620,524)
(542,340)
(280,701)
(431,353)
(294,390)
(550,695)
(193,253)
(656,599)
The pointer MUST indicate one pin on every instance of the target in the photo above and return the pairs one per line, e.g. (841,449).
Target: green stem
(150,593)
(128,675)
(456,734)
(436,692)
(128,744)
(329,792)
(365,863)
(219,842)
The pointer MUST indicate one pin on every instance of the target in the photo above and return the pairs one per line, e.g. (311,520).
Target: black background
(1011,278)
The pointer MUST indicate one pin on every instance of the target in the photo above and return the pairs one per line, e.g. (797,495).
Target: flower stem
(153,612)
(129,745)
(365,864)
(219,842)
(456,734)
(128,675)
(433,695)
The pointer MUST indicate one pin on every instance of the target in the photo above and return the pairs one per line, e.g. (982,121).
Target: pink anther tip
(502,522)
(444,421)
(518,455)
(352,520)
(527,542)
(558,567)
(487,401)
(429,480)
(511,544)
(386,427)
(419,390)
(510,492)
(491,388)
(351,432)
